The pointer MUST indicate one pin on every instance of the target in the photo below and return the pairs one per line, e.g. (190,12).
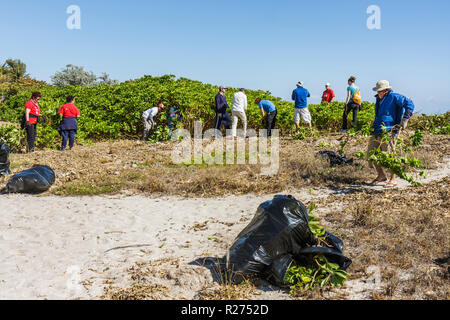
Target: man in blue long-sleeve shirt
(300,96)
(392,112)
(222,117)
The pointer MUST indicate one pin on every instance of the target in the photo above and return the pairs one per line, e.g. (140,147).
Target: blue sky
(263,44)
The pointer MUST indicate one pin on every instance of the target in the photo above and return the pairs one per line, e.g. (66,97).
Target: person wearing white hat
(300,96)
(328,95)
(392,112)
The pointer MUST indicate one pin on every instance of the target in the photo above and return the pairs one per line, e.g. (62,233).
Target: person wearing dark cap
(222,117)
(69,126)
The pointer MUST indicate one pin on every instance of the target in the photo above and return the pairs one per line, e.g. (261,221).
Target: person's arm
(60,112)
(332,96)
(308,94)
(294,95)
(218,103)
(27,116)
(245,103)
(349,95)
(408,106)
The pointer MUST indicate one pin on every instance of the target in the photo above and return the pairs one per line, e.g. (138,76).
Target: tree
(77,76)
(13,70)
(106,79)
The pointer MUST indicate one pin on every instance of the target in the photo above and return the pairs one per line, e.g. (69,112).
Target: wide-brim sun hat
(382,85)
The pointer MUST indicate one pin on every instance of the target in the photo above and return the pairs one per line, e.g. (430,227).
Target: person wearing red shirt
(69,126)
(328,95)
(32,118)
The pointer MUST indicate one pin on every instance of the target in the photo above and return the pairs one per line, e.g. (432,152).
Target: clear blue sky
(263,44)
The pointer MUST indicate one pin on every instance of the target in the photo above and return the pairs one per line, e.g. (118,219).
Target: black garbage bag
(278,235)
(4,159)
(336,159)
(37,179)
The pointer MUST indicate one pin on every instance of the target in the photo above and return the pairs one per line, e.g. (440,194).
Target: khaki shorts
(302,113)
(375,142)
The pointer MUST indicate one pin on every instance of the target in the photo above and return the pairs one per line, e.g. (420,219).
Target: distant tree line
(15,71)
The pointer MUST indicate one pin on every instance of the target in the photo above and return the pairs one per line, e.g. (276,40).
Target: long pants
(271,119)
(222,119)
(68,134)
(238,115)
(148,126)
(31,136)
(350,107)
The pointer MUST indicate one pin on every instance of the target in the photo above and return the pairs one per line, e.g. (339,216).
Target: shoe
(390,185)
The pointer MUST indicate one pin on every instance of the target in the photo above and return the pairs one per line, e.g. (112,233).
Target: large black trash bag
(38,179)
(4,159)
(336,159)
(277,236)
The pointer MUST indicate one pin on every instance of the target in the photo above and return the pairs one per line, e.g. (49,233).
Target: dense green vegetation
(114,111)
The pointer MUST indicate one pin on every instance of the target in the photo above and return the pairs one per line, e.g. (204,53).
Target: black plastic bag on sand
(277,236)
(336,159)
(4,159)
(38,179)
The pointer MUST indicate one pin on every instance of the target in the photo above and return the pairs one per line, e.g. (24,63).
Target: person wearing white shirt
(238,111)
(148,119)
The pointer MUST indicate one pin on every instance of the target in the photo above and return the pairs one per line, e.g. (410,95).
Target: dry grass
(137,167)
(403,232)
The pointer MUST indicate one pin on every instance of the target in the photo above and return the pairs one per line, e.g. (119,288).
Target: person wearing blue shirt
(269,111)
(392,113)
(300,96)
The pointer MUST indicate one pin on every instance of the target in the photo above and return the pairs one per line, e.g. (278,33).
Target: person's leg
(64,135)
(226,120)
(344,117)
(355,113)
(146,132)
(375,142)
(71,138)
(297,118)
(235,122)
(244,120)
(391,147)
(270,122)
(306,117)
(274,121)
(31,136)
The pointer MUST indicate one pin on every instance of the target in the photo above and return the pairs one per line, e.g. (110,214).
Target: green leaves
(320,272)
